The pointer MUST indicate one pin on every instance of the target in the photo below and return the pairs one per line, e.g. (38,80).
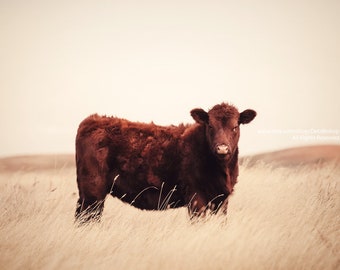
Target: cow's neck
(233,162)
(232,172)
(230,164)
(228,171)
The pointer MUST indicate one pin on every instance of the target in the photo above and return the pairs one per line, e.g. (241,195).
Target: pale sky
(156,60)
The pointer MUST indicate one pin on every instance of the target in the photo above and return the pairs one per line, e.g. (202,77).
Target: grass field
(280,217)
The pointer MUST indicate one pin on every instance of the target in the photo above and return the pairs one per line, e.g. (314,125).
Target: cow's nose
(222,149)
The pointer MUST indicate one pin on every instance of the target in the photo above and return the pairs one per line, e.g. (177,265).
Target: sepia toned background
(156,60)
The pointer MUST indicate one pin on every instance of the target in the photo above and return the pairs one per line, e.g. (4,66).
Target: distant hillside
(37,162)
(297,156)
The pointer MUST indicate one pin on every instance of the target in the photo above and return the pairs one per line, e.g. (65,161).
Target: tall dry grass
(278,218)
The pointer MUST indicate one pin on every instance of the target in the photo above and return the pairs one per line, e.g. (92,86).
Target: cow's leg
(92,171)
(92,193)
(89,210)
(197,206)
(224,207)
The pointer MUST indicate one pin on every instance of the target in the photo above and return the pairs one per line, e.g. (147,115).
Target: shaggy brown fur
(154,167)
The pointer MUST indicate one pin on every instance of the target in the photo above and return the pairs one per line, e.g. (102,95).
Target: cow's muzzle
(222,149)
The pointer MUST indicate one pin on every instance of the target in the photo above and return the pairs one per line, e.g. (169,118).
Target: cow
(156,167)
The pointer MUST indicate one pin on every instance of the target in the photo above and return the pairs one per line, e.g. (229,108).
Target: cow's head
(222,127)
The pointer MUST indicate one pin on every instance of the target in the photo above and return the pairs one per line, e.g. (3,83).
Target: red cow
(157,167)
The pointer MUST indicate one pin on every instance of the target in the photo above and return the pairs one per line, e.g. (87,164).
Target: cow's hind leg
(92,193)
(89,209)
(86,212)
(92,176)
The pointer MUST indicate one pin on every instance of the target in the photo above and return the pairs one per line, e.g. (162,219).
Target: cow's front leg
(197,206)
(224,207)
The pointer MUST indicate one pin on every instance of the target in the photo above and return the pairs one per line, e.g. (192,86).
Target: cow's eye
(235,129)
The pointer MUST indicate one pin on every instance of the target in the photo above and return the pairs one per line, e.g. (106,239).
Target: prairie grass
(278,218)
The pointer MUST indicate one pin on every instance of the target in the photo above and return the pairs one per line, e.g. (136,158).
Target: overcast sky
(156,60)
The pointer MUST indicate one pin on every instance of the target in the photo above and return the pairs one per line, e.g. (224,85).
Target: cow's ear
(247,116)
(200,116)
